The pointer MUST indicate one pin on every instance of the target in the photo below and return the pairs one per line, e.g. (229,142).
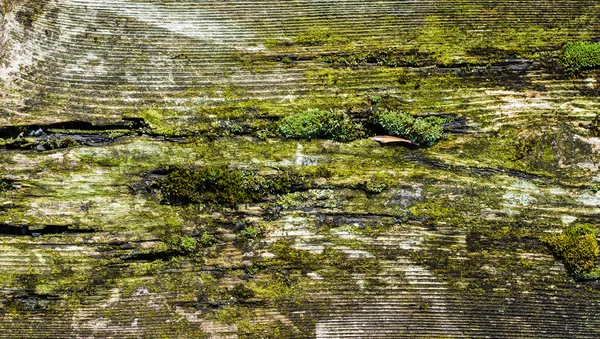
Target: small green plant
(55,143)
(581,55)
(227,127)
(316,123)
(184,244)
(577,248)
(208,239)
(315,36)
(389,57)
(188,244)
(252,270)
(349,60)
(250,232)
(375,99)
(263,134)
(424,131)
(374,186)
(114,134)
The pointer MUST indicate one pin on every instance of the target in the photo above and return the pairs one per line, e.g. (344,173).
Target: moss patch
(388,56)
(337,125)
(581,55)
(316,123)
(577,248)
(220,186)
(425,131)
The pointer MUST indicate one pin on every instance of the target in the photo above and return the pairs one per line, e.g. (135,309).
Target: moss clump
(316,123)
(183,244)
(330,259)
(389,57)
(55,143)
(188,244)
(374,186)
(316,36)
(581,55)
(577,247)
(424,131)
(250,232)
(220,186)
(208,239)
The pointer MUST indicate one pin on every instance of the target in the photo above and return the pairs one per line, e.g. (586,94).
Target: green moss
(184,244)
(227,127)
(386,56)
(424,131)
(250,232)
(273,330)
(316,123)
(55,143)
(160,121)
(319,36)
(577,247)
(448,42)
(581,55)
(374,186)
(208,239)
(220,186)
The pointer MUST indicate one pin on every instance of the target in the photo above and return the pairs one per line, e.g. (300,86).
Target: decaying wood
(102,100)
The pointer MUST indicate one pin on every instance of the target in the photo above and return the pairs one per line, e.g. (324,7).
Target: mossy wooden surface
(146,190)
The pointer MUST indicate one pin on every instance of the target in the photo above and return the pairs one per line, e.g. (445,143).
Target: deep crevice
(48,229)
(126,124)
(164,256)
(69,134)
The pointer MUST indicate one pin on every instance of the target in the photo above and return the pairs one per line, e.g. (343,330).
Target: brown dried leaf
(387,139)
